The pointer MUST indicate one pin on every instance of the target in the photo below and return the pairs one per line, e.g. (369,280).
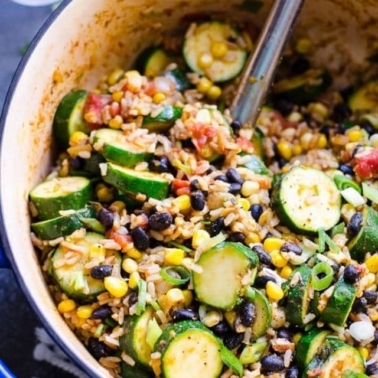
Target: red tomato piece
(93,109)
(366,166)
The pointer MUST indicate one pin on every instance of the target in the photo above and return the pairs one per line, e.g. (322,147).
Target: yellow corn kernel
(218,49)
(134,254)
(297,337)
(318,109)
(117,96)
(78,138)
(117,206)
(303,46)
(285,169)
(322,141)
(297,150)
(182,202)
(205,60)
(284,149)
(104,193)
(252,238)
(199,237)
(214,92)
(116,286)
(364,352)
(84,312)
(173,256)
(115,76)
(175,297)
(97,252)
(204,85)
(372,263)
(286,272)
(249,188)
(133,280)
(274,291)
(66,305)
(244,203)
(272,244)
(277,259)
(373,314)
(116,122)
(159,97)
(212,318)
(134,81)
(370,280)
(129,265)
(188,295)
(355,135)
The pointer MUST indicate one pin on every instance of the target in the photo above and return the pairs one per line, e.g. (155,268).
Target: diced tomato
(93,109)
(180,187)
(201,134)
(150,89)
(366,166)
(181,191)
(244,143)
(123,240)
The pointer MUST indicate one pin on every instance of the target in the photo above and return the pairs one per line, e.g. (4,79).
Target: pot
(82,41)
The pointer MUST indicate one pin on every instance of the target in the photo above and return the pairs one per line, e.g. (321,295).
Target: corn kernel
(274,291)
(66,305)
(252,237)
(249,188)
(306,139)
(284,149)
(134,254)
(199,237)
(116,122)
(182,202)
(97,252)
(297,337)
(84,312)
(188,295)
(78,138)
(244,203)
(115,76)
(248,41)
(133,280)
(117,206)
(175,296)
(364,352)
(285,169)
(318,109)
(303,46)
(204,85)
(272,244)
(212,318)
(355,135)
(159,97)
(297,149)
(277,259)
(116,286)
(134,81)
(205,60)
(105,193)
(214,92)
(286,272)
(322,141)
(218,49)
(370,280)
(173,256)
(129,265)
(295,117)
(372,263)
(117,96)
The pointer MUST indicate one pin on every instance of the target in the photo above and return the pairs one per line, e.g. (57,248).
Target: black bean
(284,333)
(236,125)
(292,247)
(247,313)
(359,305)
(140,238)
(293,372)
(185,314)
(256,211)
(159,164)
(283,106)
(352,273)
(221,328)
(105,217)
(272,363)
(281,161)
(133,298)
(264,256)
(372,369)
(221,178)
(232,340)
(237,237)
(368,127)
(341,112)
(375,340)
(97,348)
(370,296)
(187,143)
(194,185)
(216,226)
(234,188)
(261,281)
(234,176)
(160,221)
(76,162)
(346,169)
(102,312)
(197,200)
(300,65)
(101,271)
(325,129)
(354,224)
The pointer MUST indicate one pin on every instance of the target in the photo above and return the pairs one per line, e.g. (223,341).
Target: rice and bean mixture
(222,178)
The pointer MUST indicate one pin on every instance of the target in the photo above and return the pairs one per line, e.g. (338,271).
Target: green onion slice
(180,246)
(230,360)
(324,239)
(175,275)
(142,292)
(342,182)
(324,282)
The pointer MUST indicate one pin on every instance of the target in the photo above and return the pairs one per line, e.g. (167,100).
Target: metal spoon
(259,70)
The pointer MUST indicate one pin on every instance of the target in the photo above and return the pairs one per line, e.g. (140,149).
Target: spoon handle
(259,70)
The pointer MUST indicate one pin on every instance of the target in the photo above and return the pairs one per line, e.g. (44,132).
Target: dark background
(18,25)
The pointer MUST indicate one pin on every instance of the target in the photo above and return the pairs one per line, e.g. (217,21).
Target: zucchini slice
(136,371)
(74,280)
(69,118)
(210,49)
(164,120)
(114,146)
(62,193)
(306,199)
(152,61)
(365,98)
(130,181)
(256,165)
(189,349)
(224,268)
(179,77)
(263,318)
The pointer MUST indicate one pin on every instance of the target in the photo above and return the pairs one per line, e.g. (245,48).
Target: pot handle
(4,371)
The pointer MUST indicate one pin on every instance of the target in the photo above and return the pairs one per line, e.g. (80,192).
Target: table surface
(20,330)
